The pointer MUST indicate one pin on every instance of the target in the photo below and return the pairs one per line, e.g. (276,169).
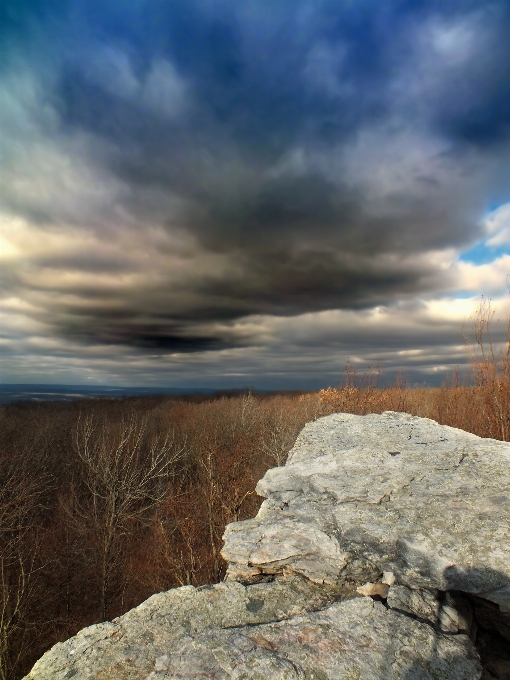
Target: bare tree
(178,549)
(19,499)
(283,419)
(491,364)
(126,476)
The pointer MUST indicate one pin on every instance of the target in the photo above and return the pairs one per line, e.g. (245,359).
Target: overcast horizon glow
(233,193)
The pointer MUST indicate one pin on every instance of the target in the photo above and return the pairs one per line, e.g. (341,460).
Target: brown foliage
(482,408)
(105,502)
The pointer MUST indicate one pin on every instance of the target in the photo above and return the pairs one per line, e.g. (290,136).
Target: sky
(238,193)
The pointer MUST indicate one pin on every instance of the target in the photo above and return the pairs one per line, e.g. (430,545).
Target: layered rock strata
(381,552)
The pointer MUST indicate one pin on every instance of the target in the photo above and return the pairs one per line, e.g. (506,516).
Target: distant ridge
(10,393)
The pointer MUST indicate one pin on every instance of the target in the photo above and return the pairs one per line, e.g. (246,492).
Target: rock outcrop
(382,551)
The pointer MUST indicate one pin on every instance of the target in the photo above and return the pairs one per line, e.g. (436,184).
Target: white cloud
(497,224)
(111,69)
(488,279)
(323,70)
(164,91)
(455,42)
(52,176)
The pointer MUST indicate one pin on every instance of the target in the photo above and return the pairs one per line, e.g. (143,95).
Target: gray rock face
(270,631)
(415,514)
(361,495)
(423,604)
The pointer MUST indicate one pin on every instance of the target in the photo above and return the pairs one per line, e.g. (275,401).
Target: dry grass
(482,407)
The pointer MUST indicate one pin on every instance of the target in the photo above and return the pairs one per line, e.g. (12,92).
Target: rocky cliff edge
(381,552)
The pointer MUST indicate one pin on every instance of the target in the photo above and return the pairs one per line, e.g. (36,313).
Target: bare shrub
(491,367)
(482,408)
(280,425)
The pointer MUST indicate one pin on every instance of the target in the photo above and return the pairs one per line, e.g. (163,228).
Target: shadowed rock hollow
(382,551)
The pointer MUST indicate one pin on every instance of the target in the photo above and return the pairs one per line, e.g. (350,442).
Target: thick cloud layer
(175,170)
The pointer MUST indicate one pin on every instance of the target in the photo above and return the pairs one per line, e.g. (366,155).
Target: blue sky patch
(484,254)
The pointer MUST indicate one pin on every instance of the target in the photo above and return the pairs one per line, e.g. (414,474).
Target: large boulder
(381,552)
(361,495)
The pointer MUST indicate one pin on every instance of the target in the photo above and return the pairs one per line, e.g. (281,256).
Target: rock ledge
(381,552)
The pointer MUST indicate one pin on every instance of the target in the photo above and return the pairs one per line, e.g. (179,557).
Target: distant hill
(10,393)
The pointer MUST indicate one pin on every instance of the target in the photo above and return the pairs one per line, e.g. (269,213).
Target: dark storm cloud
(149,335)
(474,106)
(277,136)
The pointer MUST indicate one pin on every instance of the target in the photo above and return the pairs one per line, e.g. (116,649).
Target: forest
(104,502)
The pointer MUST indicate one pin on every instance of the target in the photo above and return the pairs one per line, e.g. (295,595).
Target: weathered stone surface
(353,639)
(190,633)
(423,604)
(374,590)
(388,578)
(394,492)
(413,513)
(129,646)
